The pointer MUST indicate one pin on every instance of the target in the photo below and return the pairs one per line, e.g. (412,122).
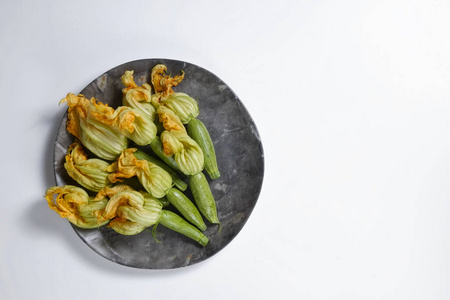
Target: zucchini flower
(137,127)
(125,227)
(176,142)
(180,103)
(126,120)
(108,192)
(102,139)
(130,212)
(163,83)
(153,178)
(137,97)
(89,173)
(169,119)
(187,153)
(76,205)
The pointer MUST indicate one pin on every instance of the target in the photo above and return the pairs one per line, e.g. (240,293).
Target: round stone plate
(239,155)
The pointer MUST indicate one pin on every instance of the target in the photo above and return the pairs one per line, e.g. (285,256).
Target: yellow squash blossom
(177,143)
(187,153)
(108,192)
(103,129)
(153,178)
(169,119)
(102,139)
(126,120)
(89,173)
(126,227)
(76,205)
(180,103)
(163,83)
(137,97)
(136,126)
(130,212)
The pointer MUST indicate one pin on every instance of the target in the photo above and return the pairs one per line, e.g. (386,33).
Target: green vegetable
(133,206)
(137,97)
(203,197)
(186,208)
(176,223)
(130,211)
(84,123)
(182,104)
(74,204)
(134,125)
(90,173)
(164,202)
(179,183)
(182,145)
(158,149)
(159,126)
(199,133)
(153,178)
(126,227)
(187,153)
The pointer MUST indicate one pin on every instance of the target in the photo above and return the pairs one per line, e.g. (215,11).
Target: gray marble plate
(239,155)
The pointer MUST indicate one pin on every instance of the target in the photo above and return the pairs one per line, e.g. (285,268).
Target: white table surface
(351,100)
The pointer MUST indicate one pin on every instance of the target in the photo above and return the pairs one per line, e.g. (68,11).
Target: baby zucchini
(203,197)
(198,132)
(186,208)
(176,223)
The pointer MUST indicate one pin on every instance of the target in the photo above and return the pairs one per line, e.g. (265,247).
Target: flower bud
(153,178)
(137,97)
(126,227)
(89,173)
(86,121)
(137,127)
(74,203)
(187,153)
(162,82)
(169,119)
(131,212)
(184,106)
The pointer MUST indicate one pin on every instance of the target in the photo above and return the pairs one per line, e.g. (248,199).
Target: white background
(351,100)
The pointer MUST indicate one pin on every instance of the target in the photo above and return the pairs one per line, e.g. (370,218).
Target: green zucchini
(176,223)
(186,208)
(203,197)
(199,133)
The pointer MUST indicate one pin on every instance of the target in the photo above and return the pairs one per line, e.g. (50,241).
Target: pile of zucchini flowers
(120,185)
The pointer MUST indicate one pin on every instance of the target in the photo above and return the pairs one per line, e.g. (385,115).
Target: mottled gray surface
(240,159)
